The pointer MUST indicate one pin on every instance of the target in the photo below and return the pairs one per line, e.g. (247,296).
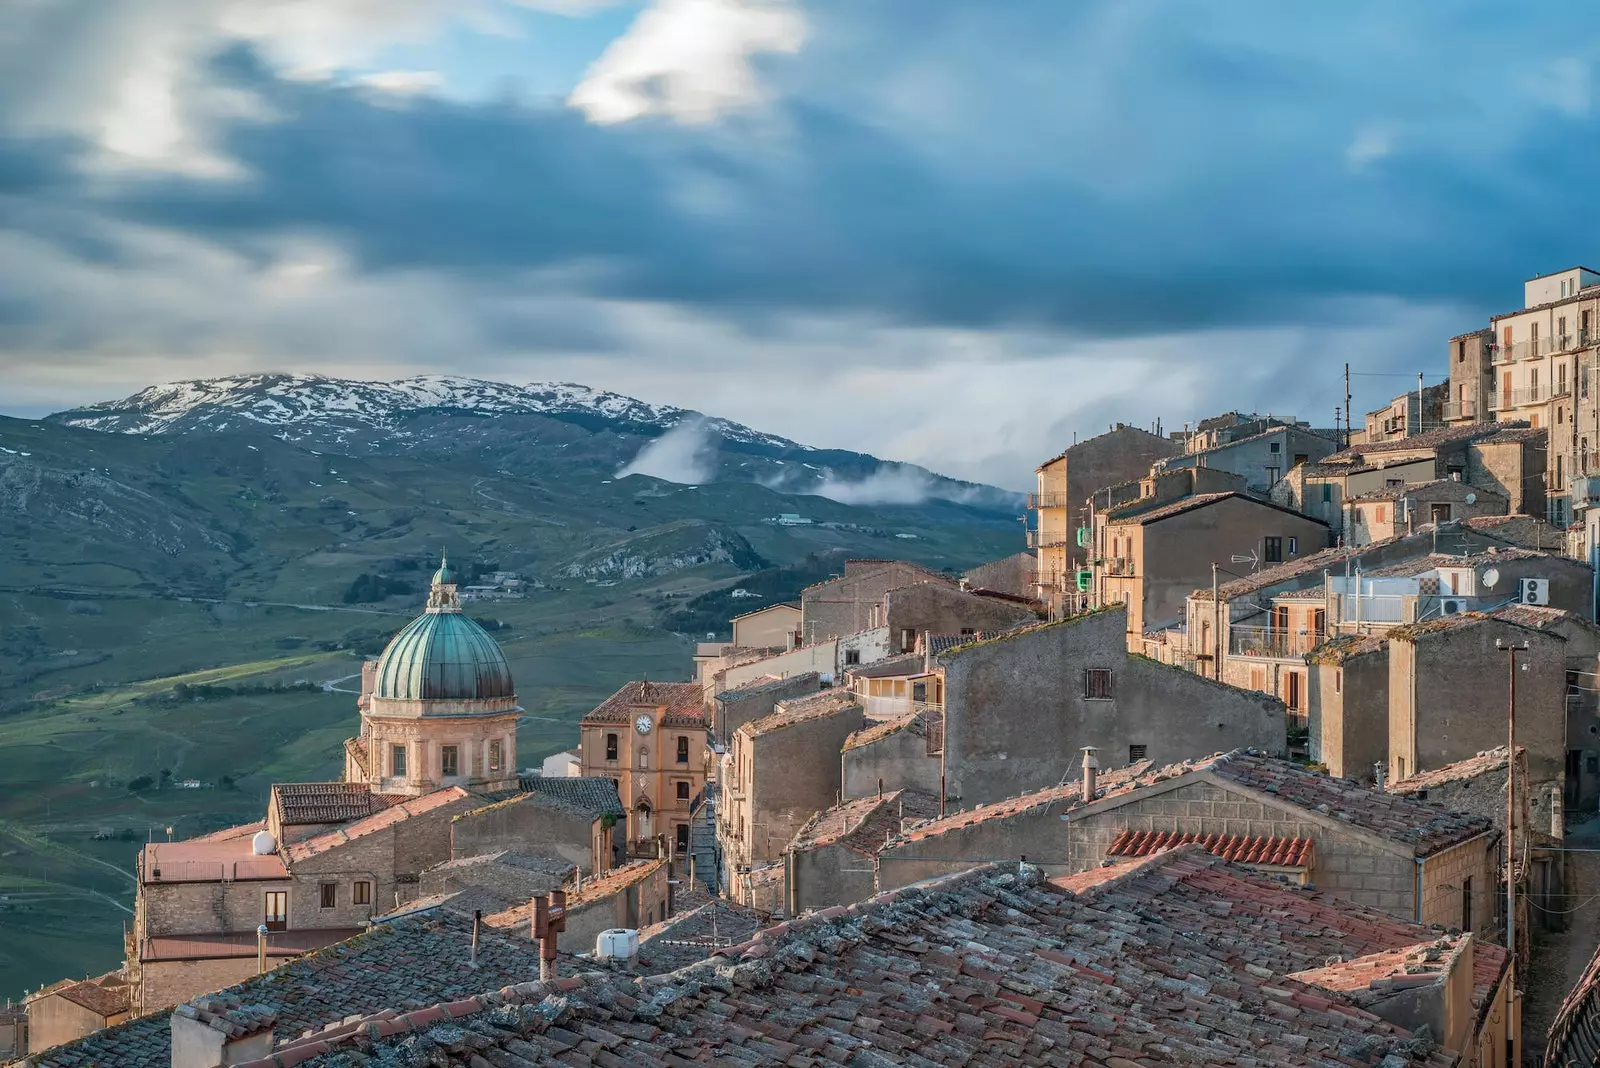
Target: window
(919,691)
(1461,351)
(682,832)
(449,760)
(852,657)
(1276,446)
(908,639)
(683,749)
(327,895)
(1533,420)
(1400,762)
(1466,903)
(275,913)
(1272,475)
(644,758)
(1137,753)
(1561,322)
(968,632)
(1439,513)
(496,754)
(397,760)
(1380,513)
(1327,493)
(1097,684)
(1505,337)
(1272,550)
(1583,328)
(611,747)
(1533,332)
(683,791)
(1291,690)
(1294,546)
(1561,415)
(1592,764)
(361,892)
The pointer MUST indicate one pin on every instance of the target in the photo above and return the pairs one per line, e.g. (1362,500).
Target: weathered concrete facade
(896,755)
(933,608)
(846,604)
(533,823)
(1348,717)
(732,709)
(1019,708)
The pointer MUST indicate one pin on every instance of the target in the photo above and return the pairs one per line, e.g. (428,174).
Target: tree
(143,782)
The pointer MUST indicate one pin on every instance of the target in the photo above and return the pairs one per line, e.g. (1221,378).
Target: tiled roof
(338,836)
(695,934)
(890,667)
(1181,960)
(1375,976)
(207,861)
(229,1015)
(1245,849)
(1277,428)
(612,882)
(684,702)
(1148,510)
(1539,616)
(939,643)
(1428,439)
(505,858)
(1343,647)
(1484,763)
(1110,782)
(802,710)
(1410,632)
(1425,826)
(1513,434)
(767,683)
(229,834)
(864,824)
(1574,1040)
(792,605)
(1315,563)
(764,875)
(105,995)
(1395,493)
(588,792)
(322,802)
(403,965)
(911,721)
(928,574)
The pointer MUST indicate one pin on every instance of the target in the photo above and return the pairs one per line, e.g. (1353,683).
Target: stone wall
(1514,468)
(1451,876)
(795,774)
(193,908)
(899,761)
(639,905)
(933,608)
(53,1020)
(1016,713)
(828,876)
(172,982)
(730,712)
(529,823)
(844,605)
(1037,833)
(1349,714)
(1009,574)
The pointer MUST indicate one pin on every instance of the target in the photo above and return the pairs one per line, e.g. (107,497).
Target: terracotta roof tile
(695,934)
(105,995)
(864,824)
(1110,784)
(877,732)
(611,883)
(684,703)
(1244,849)
(1343,647)
(1180,959)
(767,683)
(1394,493)
(378,821)
(1574,1038)
(322,802)
(1487,762)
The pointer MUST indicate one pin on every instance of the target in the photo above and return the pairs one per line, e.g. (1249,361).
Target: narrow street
(1560,957)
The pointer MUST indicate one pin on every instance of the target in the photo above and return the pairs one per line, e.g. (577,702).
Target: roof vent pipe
(1091,768)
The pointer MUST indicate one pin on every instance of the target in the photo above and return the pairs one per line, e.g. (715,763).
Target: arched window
(644,758)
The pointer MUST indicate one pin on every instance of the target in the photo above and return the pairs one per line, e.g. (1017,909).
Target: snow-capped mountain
(519,427)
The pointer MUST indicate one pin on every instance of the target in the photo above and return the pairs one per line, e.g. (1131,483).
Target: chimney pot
(1091,767)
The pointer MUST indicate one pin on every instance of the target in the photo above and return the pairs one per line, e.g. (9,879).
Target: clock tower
(650,738)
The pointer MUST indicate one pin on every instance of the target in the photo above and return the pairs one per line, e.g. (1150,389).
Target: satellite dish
(1490,577)
(1472,498)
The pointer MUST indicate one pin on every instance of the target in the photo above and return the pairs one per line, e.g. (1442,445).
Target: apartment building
(1262,458)
(1407,415)
(1059,534)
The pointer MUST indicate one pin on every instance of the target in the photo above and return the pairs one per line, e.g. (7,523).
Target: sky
(954,233)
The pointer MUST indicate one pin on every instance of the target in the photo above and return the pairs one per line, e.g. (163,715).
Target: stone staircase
(703,841)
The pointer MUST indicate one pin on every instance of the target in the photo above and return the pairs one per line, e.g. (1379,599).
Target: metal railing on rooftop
(1272,644)
(1462,409)
(1048,500)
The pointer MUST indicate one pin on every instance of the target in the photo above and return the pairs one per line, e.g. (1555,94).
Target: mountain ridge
(429,412)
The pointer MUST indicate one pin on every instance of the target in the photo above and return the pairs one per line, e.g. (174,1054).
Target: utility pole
(1216,627)
(1349,420)
(1511,651)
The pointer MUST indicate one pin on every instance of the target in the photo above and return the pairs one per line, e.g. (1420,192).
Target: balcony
(1048,539)
(1270,644)
(1537,347)
(1047,500)
(1120,565)
(1500,400)
(1465,409)
(1585,491)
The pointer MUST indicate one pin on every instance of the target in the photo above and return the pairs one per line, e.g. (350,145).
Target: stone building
(833,859)
(774,627)
(1153,554)
(1017,708)
(1348,715)
(1065,483)
(438,708)
(844,604)
(1261,458)
(1408,415)
(1012,574)
(1448,685)
(651,738)
(732,709)
(1395,510)
(1373,848)
(1471,377)
(912,612)
(895,754)
(68,1010)
(635,895)
(784,769)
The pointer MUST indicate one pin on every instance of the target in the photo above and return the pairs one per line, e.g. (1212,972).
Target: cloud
(400,82)
(686,454)
(1371,143)
(690,60)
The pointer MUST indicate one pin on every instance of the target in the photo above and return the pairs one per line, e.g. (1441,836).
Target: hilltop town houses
(1263,746)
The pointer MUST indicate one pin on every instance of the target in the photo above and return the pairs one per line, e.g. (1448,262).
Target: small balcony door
(276,913)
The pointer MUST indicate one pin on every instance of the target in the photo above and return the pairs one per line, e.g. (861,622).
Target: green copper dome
(443,656)
(444,576)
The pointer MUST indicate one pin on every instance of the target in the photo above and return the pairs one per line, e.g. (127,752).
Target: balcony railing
(1047,500)
(1500,400)
(1048,539)
(1463,409)
(1536,347)
(1119,565)
(1273,644)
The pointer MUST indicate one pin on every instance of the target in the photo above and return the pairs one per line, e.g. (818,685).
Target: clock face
(642,724)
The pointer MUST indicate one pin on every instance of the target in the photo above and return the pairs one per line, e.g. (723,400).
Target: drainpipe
(1417,893)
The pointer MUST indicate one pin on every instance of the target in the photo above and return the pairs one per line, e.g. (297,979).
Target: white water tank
(263,844)
(619,943)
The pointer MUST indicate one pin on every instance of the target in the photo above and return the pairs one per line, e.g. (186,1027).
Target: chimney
(1091,768)
(261,949)
(1377,776)
(215,1030)
(549,920)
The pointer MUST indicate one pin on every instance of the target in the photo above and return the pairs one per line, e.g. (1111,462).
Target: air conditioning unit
(1534,591)
(1451,606)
